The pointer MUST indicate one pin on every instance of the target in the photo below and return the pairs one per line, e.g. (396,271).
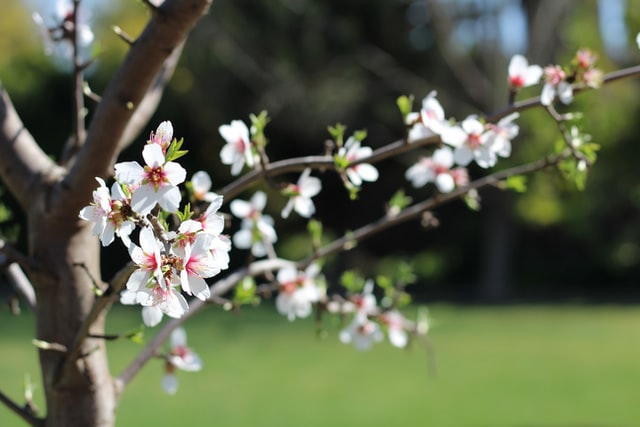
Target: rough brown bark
(82,395)
(64,258)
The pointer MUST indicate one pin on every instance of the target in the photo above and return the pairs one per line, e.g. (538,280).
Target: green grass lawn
(524,366)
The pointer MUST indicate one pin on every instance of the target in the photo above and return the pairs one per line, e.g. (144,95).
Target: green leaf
(360,135)
(174,152)
(405,104)
(245,292)
(186,213)
(337,133)
(352,281)
(136,336)
(517,183)
(384,282)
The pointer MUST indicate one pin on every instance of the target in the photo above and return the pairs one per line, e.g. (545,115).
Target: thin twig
(22,412)
(101,304)
(124,36)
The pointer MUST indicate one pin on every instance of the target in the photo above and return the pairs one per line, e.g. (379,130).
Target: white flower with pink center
(256,228)
(521,74)
(300,195)
(298,291)
(148,259)
(353,151)
(157,300)
(179,357)
(361,332)
(155,183)
(396,331)
(237,151)
(436,169)
(197,264)
(499,135)
(470,143)
(556,86)
(201,184)
(110,212)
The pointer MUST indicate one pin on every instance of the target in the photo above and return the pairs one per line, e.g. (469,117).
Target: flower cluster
(473,140)
(65,30)
(169,263)
(369,320)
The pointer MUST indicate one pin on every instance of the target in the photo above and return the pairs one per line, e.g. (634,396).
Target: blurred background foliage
(312,64)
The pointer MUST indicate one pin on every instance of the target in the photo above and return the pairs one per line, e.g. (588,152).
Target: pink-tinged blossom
(437,169)
(499,135)
(429,121)
(470,143)
(593,78)
(521,74)
(110,212)
(361,332)
(237,151)
(157,300)
(220,247)
(61,33)
(555,85)
(353,151)
(432,113)
(201,184)
(586,59)
(300,195)
(298,291)
(395,328)
(148,259)
(197,264)
(162,136)
(256,228)
(179,357)
(155,183)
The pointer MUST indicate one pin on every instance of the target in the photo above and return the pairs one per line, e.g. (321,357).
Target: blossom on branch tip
(471,143)
(521,74)
(110,211)
(256,231)
(179,357)
(154,183)
(394,320)
(62,32)
(300,195)
(237,151)
(201,184)
(353,151)
(298,291)
(556,85)
(361,332)
(437,169)
(499,135)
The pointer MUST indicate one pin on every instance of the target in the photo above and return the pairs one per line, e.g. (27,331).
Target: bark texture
(64,257)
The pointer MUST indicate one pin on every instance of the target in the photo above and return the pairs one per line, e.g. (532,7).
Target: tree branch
(99,307)
(22,412)
(219,288)
(163,35)
(23,165)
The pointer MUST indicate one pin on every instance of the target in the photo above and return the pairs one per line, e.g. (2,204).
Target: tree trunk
(82,393)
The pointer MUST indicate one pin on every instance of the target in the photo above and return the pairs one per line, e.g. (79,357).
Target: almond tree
(67,212)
